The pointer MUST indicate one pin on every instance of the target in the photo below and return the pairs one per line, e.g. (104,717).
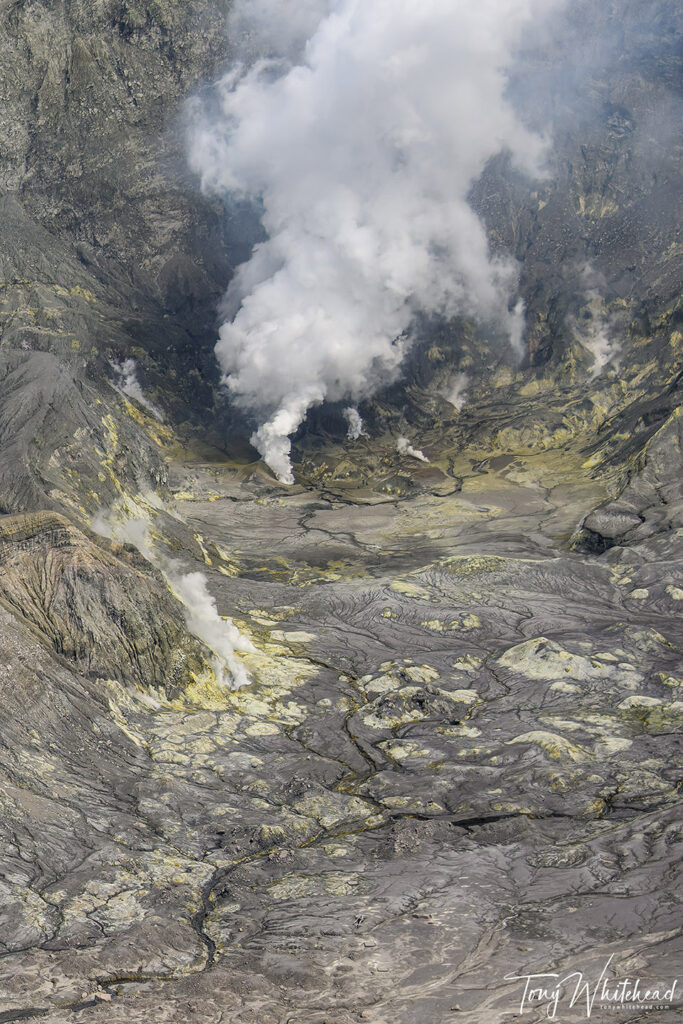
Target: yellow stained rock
(554,745)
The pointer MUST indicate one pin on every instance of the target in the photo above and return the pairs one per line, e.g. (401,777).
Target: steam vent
(341,572)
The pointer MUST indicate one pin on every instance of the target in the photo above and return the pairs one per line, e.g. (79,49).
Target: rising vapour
(355,422)
(456,392)
(597,333)
(359,129)
(404,447)
(219,634)
(128,384)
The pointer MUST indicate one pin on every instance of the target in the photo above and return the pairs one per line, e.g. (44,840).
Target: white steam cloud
(128,384)
(355,422)
(219,634)
(360,129)
(597,334)
(456,393)
(404,447)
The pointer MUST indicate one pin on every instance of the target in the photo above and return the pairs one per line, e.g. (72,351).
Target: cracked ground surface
(457,761)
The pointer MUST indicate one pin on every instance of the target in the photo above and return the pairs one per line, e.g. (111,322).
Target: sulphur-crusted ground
(457,759)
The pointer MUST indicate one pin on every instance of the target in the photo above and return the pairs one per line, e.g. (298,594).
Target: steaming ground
(453,762)
(594,331)
(219,634)
(128,384)
(359,132)
(355,423)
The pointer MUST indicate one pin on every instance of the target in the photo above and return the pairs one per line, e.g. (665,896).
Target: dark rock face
(93,144)
(651,503)
(457,757)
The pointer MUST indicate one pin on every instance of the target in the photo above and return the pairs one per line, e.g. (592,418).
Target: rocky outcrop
(108,250)
(104,613)
(93,134)
(650,504)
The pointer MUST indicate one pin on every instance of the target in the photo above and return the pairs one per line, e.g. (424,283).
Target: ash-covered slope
(456,759)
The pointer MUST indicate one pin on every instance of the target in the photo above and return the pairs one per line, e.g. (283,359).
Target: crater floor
(457,761)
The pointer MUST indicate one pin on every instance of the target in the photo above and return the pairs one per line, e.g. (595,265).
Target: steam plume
(128,384)
(355,422)
(597,335)
(404,447)
(359,128)
(456,394)
(220,635)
